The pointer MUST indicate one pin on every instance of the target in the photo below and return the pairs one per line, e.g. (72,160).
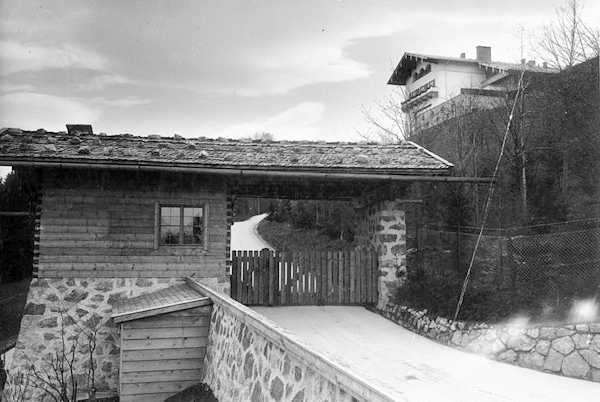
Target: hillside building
(431,82)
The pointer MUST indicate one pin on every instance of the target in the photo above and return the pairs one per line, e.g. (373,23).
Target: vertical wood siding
(104,226)
(305,277)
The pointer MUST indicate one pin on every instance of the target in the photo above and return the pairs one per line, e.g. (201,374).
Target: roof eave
(396,81)
(125,164)
(412,174)
(425,174)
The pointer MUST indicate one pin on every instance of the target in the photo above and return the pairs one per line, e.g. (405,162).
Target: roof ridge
(182,139)
(537,68)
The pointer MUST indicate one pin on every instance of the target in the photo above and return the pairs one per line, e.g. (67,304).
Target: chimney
(484,54)
(463,55)
(80,129)
(545,65)
(522,62)
(531,63)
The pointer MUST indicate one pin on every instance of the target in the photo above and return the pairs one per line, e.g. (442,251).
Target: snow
(244,235)
(413,368)
(7,357)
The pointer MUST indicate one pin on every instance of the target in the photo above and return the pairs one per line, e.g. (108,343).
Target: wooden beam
(149,312)
(16,213)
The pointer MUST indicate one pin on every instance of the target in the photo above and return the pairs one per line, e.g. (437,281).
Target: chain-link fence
(538,271)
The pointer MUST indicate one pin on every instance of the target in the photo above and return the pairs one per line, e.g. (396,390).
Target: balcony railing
(420,95)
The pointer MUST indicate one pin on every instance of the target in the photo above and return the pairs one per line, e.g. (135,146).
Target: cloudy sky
(297,69)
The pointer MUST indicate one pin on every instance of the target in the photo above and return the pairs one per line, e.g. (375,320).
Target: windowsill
(182,246)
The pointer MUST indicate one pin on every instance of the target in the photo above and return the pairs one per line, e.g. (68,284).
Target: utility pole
(522,30)
(524,209)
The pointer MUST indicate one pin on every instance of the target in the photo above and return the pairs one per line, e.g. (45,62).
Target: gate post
(388,219)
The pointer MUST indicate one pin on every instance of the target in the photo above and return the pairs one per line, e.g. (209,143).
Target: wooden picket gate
(309,277)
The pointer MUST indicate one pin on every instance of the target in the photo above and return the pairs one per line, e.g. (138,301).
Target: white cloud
(103,81)
(302,65)
(318,57)
(297,123)
(16,57)
(31,111)
(6,87)
(121,102)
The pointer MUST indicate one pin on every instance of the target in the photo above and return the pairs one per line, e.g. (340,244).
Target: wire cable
(489,196)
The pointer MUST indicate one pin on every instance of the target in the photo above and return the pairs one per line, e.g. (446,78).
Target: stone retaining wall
(77,305)
(251,359)
(572,350)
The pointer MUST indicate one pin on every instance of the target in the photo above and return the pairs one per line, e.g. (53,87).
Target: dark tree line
(335,219)
(551,164)
(17,193)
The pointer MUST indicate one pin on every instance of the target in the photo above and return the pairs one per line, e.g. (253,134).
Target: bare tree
(91,336)
(591,39)
(57,375)
(15,388)
(569,39)
(387,122)
(263,136)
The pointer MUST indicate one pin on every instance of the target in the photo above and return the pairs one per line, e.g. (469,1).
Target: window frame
(158,224)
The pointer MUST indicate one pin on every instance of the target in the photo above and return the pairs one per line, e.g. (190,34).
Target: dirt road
(244,235)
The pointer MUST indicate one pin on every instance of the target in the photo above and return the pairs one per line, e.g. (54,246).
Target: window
(181,225)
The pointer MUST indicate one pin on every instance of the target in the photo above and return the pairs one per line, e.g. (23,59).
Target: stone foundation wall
(571,350)
(250,359)
(78,305)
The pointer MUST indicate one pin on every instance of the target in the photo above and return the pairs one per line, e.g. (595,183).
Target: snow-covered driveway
(412,368)
(245,237)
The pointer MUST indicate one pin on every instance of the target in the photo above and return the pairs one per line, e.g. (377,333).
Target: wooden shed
(164,336)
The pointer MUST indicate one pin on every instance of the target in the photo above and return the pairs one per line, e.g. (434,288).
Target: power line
(489,195)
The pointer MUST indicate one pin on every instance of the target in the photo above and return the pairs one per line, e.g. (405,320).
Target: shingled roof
(167,300)
(39,148)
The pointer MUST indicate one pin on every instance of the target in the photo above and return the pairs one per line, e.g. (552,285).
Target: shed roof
(18,147)
(167,300)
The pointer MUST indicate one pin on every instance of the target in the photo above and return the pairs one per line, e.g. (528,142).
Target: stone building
(121,216)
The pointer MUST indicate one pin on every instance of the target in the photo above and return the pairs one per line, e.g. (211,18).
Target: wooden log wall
(98,226)
(163,355)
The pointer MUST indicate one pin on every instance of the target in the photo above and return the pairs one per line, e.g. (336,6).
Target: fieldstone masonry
(387,222)
(76,305)
(242,364)
(571,350)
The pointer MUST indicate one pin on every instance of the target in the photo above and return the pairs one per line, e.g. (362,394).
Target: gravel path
(244,235)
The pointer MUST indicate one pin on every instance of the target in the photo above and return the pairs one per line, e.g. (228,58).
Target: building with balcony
(432,81)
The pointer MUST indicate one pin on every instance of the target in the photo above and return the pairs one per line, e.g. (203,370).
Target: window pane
(189,214)
(193,226)
(169,234)
(170,215)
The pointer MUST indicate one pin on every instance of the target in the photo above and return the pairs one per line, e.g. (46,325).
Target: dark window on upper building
(182,225)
